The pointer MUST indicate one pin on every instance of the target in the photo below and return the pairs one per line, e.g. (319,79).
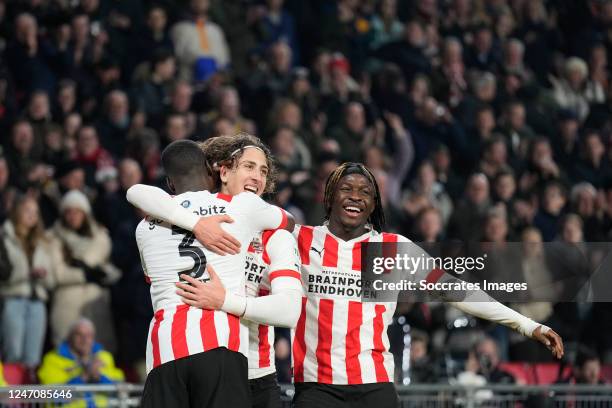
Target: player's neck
(189,185)
(344,232)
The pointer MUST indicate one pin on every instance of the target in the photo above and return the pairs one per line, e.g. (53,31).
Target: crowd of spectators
(483,120)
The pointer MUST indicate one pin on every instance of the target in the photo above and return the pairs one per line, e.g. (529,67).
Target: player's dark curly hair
(377,218)
(227,151)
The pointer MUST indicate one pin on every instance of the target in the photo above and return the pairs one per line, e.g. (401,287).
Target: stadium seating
(548,373)
(522,372)
(15,374)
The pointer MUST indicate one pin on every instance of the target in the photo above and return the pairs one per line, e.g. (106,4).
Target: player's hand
(209,295)
(551,340)
(210,234)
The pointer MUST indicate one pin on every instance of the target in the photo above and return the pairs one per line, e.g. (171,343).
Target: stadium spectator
(585,370)
(151,94)
(574,91)
(551,210)
(54,147)
(199,43)
(111,207)
(386,27)
(65,101)
(79,359)
(494,157)
(276,24)
(152,38)
(91,157)
(228,108)
(21,156)
(566,144)
(426,185)
(113,127)
(81,286)
(29,58)
(292,158)
(39,116)
(471,211)
(407,52)
(429,226)
(593,166)
(351,135)
(7,191)
(422,371)
(484,360)
(583,201)
(482,55)
(35,263)
(517,132)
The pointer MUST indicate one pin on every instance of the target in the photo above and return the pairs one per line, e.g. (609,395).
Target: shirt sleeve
(157,203)
(476,302)
(286,293)
(261,215)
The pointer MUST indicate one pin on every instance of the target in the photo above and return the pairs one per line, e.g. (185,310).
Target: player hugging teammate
(340,346)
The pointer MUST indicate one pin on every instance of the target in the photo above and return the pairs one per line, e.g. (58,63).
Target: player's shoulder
(187,198)
(148,223)
(247,197)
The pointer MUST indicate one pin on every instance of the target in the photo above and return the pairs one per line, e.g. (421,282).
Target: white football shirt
(178,330)
(271,256)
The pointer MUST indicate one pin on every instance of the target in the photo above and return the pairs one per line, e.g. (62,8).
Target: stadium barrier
(411,396)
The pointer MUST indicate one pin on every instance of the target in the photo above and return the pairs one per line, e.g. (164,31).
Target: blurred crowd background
(482,121)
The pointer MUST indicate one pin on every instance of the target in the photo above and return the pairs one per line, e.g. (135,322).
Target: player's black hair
(377,218)
(183,159)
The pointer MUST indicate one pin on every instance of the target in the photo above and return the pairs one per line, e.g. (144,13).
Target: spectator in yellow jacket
(80,360)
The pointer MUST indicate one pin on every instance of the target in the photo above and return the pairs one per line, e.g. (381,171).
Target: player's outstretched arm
(481,305)
(157,203)
(499,313)
(478,303)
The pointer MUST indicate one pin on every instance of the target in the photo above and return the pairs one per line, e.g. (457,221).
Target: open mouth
(252,189)
(352,211)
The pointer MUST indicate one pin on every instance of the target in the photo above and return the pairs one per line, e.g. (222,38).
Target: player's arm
(157,203)
(478,303)
(285,294)
(283,305)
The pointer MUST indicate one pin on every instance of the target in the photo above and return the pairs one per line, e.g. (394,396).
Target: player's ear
(170,185)
(223,174)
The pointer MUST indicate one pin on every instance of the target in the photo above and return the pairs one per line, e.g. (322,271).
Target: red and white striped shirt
(339,339)
(272,255)
(178,330)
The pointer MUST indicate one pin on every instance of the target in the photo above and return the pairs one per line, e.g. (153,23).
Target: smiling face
(250,173)
(353,202)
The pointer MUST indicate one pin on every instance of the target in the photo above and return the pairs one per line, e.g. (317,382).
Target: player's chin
(353,221)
